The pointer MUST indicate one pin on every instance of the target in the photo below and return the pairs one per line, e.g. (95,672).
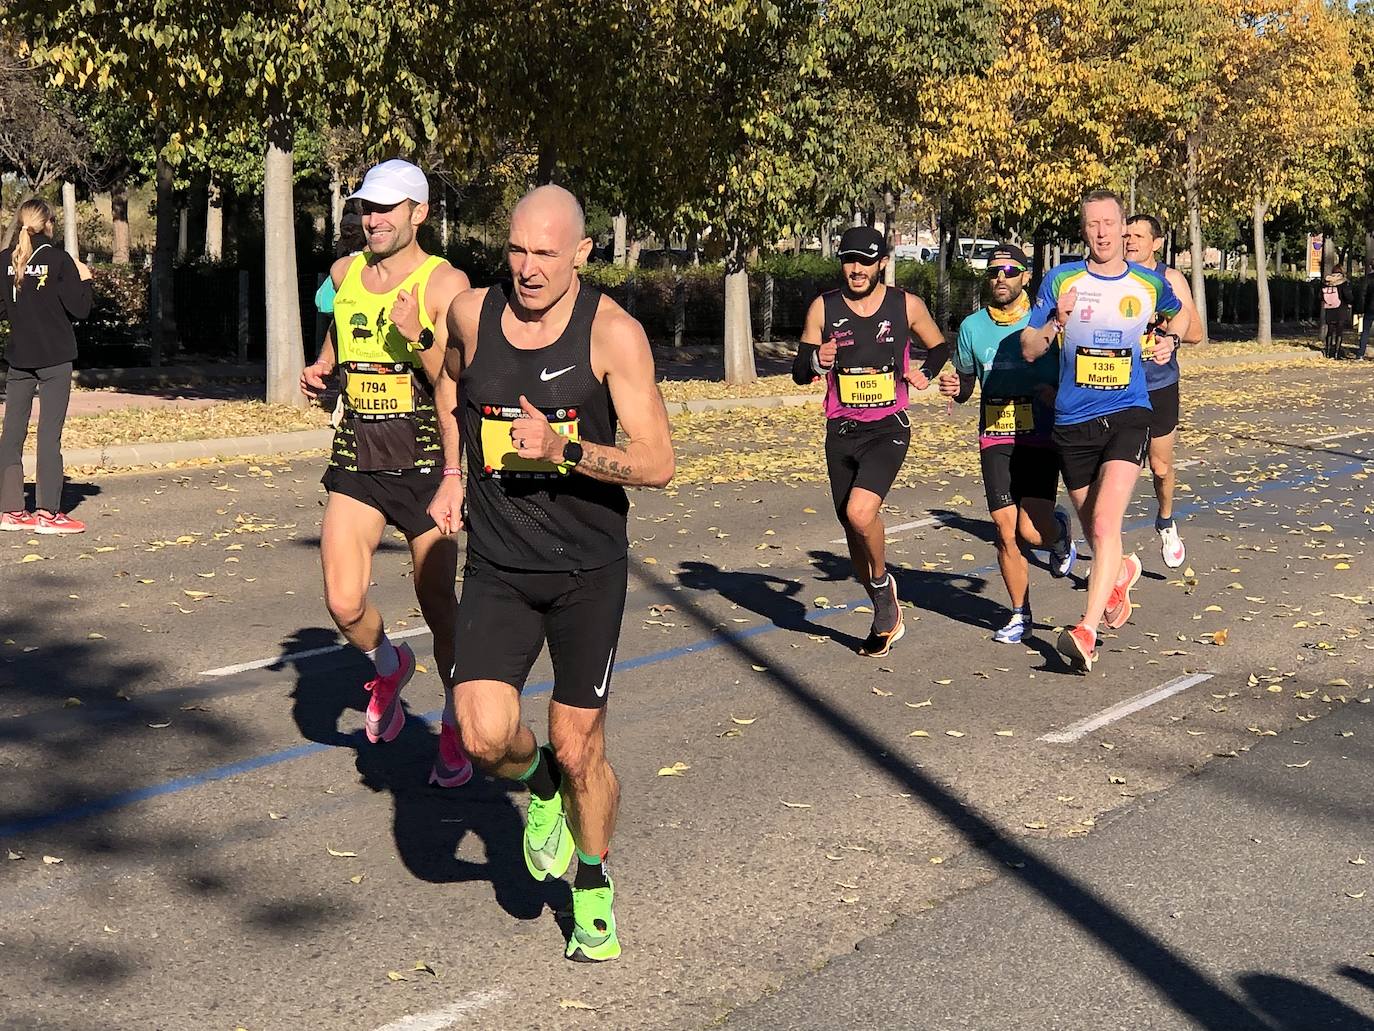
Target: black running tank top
(531,515)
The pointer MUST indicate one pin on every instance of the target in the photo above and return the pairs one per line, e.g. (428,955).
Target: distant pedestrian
(45,289)
(1366,310)
(1337,298)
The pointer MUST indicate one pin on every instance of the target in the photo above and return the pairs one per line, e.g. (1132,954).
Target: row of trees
(749,121)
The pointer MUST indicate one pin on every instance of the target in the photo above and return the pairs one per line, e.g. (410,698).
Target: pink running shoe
(385,717)
(18,521)
(58,523)
(452,767)
(1119,605)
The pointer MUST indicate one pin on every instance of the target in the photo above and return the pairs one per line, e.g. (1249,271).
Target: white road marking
(899,528)
(1110,715)
(1337,436)
(447,1016)
(309,653)
(1186,463)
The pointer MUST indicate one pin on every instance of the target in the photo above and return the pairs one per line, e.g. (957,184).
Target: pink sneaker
(385,717)
(18,521)
(452,767)
(1119,605)
(58,523)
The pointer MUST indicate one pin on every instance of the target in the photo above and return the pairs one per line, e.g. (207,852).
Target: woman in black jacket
(46,288)
(1337,298)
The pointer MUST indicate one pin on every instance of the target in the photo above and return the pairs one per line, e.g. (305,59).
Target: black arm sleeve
(966,382)
(75,292)
(803,372)
(935,360)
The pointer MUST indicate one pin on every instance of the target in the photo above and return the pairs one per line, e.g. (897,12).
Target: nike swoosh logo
(605,677)
(546,375)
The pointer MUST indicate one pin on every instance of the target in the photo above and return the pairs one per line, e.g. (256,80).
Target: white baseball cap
(392,182)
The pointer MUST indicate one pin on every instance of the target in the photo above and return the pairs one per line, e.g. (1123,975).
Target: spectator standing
(1337,298)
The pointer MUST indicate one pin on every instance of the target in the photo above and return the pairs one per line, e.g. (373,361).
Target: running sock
(1163,524)
(591,871)
(543,776)
(881,583)
(385,658)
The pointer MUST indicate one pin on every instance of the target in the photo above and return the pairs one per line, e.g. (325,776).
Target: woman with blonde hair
(45,288)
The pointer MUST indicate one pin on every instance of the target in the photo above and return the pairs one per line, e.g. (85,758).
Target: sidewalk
(154,389)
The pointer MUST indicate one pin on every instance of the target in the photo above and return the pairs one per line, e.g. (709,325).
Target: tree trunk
(1193,195)
(336,203)
(547,163)
(942,271)
(443,216)
(890,234)
(739,329)
(827,245)
(164,318)
(285,357)
(214,222)
(620,224)
(119,217)
(1266,322)
(632,255)
(183,218)
(1278,260)
(70,242)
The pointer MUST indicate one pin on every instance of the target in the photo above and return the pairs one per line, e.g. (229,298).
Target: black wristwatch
(572,453)
(426,340)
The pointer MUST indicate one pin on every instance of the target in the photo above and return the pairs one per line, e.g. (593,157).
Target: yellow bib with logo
(499,454)
(1103,368)
(379,390)
(866,388)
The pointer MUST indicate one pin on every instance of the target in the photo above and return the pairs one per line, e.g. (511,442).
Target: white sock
(384,657)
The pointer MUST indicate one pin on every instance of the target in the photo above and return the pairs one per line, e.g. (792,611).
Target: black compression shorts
(1164,408)
(865,454)
(505,615)
(402,497)
(1123,436)
(1013,472)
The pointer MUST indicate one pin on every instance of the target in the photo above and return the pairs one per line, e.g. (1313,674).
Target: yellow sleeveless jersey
(389,422)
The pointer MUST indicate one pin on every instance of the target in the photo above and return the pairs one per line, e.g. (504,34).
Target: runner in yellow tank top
(389,457)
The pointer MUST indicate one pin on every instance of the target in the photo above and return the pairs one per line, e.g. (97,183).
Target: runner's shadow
(428,822)
(1293,1006)
(73,494)
(772,597)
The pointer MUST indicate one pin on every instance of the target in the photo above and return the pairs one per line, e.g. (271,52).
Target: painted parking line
(446,1017)
(1112,713)
(1338,436)
(900,527)
(97,806)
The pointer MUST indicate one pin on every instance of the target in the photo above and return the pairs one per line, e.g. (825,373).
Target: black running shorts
(1013,472)
(1164,406)
(1123,436)
(402,497)
(865,454)
(505,616)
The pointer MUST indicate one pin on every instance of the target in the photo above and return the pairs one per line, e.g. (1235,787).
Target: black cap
(862,244)
(1009,251)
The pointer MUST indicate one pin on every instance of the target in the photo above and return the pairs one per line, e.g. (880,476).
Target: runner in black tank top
(545,376)
(866,359)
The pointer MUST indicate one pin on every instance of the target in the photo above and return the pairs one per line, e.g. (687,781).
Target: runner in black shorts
(1144,238)
(1015,420)
(388,457)
(1098,310)
(546,374)
(859,338)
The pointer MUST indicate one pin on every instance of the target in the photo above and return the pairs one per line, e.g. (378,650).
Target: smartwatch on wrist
(572,453)
(426,340)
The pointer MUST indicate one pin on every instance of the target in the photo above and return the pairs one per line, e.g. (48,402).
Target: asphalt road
(179,727)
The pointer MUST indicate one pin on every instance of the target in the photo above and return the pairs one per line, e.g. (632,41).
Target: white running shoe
(1171,545)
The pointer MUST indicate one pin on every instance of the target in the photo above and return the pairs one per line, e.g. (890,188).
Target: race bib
(379,394)
(1103,368)
(866,388)
(1147,346)
(500,457)
(1008,417)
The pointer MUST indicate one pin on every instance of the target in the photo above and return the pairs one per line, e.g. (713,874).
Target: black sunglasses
(1005,271)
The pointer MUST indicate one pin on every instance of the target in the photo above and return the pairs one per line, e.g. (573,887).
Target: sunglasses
(1005,271)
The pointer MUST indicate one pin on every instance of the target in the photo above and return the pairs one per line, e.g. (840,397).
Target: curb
(123,455)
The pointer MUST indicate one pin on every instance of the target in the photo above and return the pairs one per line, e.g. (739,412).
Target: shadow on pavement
(428,822)
(1290,1005)
(1185,987)
(774,598)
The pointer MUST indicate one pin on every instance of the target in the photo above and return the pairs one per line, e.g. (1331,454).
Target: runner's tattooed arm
(930,336)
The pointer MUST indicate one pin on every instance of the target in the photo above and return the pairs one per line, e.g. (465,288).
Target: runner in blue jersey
(1099,309)
(1015,427)
(1144,237)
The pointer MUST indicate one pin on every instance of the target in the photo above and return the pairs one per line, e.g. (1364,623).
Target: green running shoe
(548,842)
(593,939)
